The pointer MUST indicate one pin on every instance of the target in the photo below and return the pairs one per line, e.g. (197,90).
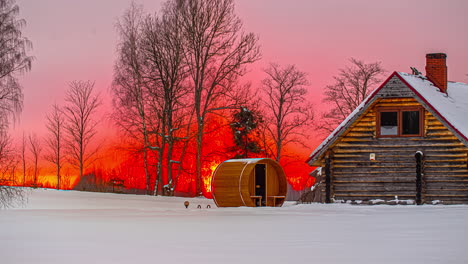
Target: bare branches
(9,196)
(165,69)
(131,111)
(13,57)
(353,84)
(56,129)
(287,109)
(23,157)
(80,125)
(35,147)
(216,53)
(188,56)
(13,60)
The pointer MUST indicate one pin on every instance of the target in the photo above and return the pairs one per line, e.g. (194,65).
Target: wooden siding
(393,173)
(224,184)
(395,88)
(233,183)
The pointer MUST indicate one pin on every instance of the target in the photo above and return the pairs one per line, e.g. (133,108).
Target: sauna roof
(245,160)
(451,107)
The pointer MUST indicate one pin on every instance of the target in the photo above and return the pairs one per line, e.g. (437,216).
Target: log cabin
(407,142)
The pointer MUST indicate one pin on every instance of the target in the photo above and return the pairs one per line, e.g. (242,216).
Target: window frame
(400,111)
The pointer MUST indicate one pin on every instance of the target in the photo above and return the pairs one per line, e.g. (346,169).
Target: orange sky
(76,40)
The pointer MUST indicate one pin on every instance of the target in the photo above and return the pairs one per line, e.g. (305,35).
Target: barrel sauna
(249,182)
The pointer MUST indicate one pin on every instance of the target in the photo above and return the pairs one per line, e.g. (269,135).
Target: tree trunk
(145,159)
(58,175)
(278,142)
(170,147)
(198,178)
(161,157)
(145,166)
(184,151)
(81,160)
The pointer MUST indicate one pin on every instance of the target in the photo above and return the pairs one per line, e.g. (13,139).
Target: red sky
(76,40)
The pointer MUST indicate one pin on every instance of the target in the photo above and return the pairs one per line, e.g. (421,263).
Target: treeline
(181,67)
(179,103)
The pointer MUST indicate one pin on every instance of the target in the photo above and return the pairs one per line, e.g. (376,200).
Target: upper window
(401,122)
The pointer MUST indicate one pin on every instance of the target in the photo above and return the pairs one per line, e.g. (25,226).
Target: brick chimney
(436,70)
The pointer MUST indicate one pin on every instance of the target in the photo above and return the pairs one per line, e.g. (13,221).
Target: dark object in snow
(208,206)
(186,203)
(199,206)
(117,185)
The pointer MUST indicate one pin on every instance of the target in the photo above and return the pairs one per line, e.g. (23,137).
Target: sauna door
(260,182)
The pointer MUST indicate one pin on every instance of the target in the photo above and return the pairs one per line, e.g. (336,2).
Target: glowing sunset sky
(76,40)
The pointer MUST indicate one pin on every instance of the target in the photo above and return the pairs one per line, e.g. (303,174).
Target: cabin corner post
(328,179)
(419,178)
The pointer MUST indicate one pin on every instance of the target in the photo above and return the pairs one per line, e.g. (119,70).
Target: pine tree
(243,126)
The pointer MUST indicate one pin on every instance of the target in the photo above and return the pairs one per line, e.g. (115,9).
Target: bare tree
(9,195)
(216,51)
(55,125)
(352,85)
(165,68)
(287,111)
(131,113)
(35,147)
(23,157)
(13,61)
(80,123)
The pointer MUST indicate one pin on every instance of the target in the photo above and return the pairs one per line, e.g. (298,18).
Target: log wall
(393,173)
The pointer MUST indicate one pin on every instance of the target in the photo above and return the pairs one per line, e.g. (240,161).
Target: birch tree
(14,60)
(216,51)
(162,46)
(55,124)
(287,111)
(351,86)
(130,112)
(80,126)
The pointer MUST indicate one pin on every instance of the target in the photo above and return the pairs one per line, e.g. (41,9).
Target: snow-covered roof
(452,106)
(245,160)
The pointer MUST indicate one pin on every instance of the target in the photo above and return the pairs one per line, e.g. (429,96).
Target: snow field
(79,227)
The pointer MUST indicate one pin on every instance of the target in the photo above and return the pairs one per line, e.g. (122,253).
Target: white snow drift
(78,227)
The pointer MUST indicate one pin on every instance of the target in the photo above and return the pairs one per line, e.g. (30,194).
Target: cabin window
(410,122)
(388,123)
(399,122)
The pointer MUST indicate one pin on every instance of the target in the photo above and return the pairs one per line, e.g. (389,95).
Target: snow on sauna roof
(452,106)
(245,160)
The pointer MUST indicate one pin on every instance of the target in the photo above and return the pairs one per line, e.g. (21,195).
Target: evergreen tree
(243,126)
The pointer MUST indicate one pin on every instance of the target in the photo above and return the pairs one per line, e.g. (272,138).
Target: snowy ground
(78,227)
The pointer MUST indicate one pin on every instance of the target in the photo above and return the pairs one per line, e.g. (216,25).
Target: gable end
(393,87)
